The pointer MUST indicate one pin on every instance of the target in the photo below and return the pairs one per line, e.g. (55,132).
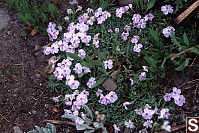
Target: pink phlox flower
(116,128)
(66,111)
(75,43)
(78,68)
(136,18)
(96,43)
(179,100)
(86,38)
(148,114)
(141,24)
(117,30)
(54,34)
(63,46)
(100,20)
(126,8)
(124,36)
(66,71)
(129,124)
(56,99)
(76,106)
(66,62)
(112,96)
(91,82)
(138,111)
(167,97)
(70,49)
(164,113)
(86,70)
(145,68)
(137,48)
(51,27)
(68,103)
(47,50)
(79,121)
(135,39)
(58,71)
(132,81)
(69,78)
(127,28)
(74,84)
(106,14)
(89,10)
(60,77)
(119,12)
(81,53)
(54,48)
(175,92)
(142,76)
(84,92)
(167,9)
(98,12)
(167,31)
(148,17)
(110,31)
(82,99)
(148,123)
(108,64)
(82,19)
(166,126)
(147,106)
(75,113)
(89,22)
(99,92)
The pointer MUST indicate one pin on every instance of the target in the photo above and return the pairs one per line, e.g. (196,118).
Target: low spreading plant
(111,62)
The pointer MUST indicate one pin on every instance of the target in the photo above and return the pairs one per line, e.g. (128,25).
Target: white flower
(129,124)
(117,128)
(108,64)
(166,126)
(145,68)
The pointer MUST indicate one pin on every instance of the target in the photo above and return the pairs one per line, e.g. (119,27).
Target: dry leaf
(33,32)
(29,24)
(55,109)
(48,69)
(109,85)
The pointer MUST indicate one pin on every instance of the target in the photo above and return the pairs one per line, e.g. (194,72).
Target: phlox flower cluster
(121,10)
(52,32)
(178,99)
(76,100)
(107,99)
(108,64)
(147,113)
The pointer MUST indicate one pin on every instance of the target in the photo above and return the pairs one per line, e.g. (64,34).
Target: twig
(188,82)
(4,118)
(174,129)
(60,122)
(183,111)
(189,87)
(40,96)
(193,61)
(18,64)
(183,15)
(19,124)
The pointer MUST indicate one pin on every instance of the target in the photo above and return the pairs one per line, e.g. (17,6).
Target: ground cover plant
(110,62)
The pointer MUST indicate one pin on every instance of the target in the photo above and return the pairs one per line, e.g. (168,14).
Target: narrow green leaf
(52,8)
(39,129)
(173,38)
(85,64)
(21,17)
(95,63)
(88,111)
(183,65)
(74,56)
(151,61)
(195,50)
(154,34)
(69,116)
(186,40)
(151,4)
(24,33)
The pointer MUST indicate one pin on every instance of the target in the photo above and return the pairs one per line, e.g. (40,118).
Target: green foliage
(35,15)
(49,129)
(104,4)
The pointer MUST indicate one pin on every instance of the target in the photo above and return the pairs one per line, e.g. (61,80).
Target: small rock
(4,21)
(109,85)
(17,129)
(34,112)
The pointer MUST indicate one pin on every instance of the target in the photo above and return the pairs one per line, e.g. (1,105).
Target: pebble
(17,129)
(5,19)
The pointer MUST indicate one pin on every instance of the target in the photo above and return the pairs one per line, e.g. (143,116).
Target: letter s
(193,124)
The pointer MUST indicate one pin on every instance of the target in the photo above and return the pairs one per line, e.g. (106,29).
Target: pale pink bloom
(66,63)
(96,43)
(86,70)
(106,14)
(76,92)
(142,76)
(78,68)
(145,68)
(126,8)
(69,78)
(167,9)
(167,31)
(66,18)
(51,27)
(54,48)
(148,123)
(148,17)
(82,99)
(98,12)
(75,113)
(79,121)
(167,97)
(66,111)
(119,12)
(99,92)
(47,50)
(179,100)
(81,53)
(58,71)
(138,111)
(91,82)
(89,22)
(66,71)
(108,64)
(63,46)
(79,8)
(74,84)
(70,49)
(110,31)
(147,106)
(164,113)
(117,128)
(89,10)
(125,104)
(117,30)
(69,11)
(86,38)
(68,103)
(82,19)
(175,92)
(124,36)
(54,34)
(136,17)
(112,96)
(127,28)
(137,48)
(104,99)
(135,39)
(148,114)
(84,92)
(129,124)
(56,99)
(166,126)
(100,20)
(141,24)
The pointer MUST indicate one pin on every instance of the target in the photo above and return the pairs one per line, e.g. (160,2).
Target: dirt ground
(24,98)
